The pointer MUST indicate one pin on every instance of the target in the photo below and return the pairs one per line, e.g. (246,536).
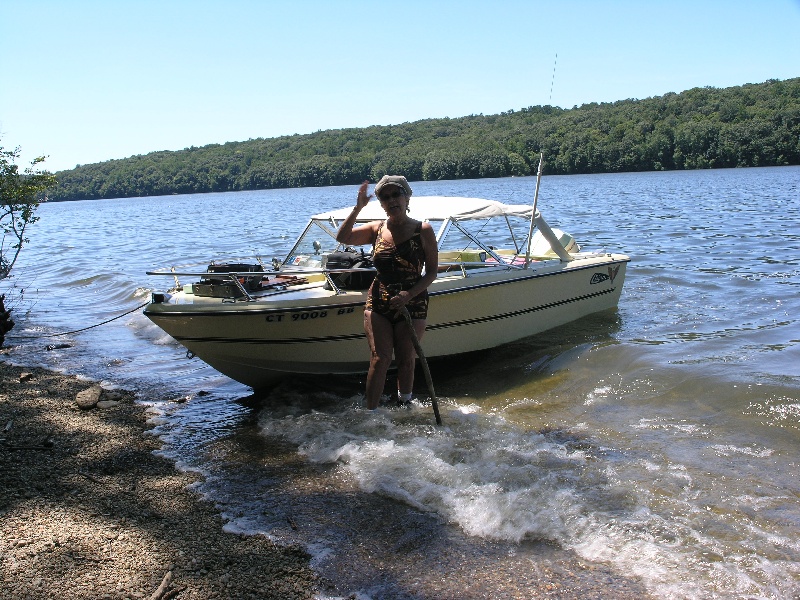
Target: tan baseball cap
(397,180)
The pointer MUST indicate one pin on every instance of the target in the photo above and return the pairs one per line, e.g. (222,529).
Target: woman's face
(393,200)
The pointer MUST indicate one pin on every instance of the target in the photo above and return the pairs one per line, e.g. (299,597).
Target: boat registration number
(308,315)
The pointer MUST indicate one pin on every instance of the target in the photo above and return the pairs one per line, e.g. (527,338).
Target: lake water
(650,450)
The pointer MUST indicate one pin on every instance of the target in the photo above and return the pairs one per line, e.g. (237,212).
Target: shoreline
(87,510)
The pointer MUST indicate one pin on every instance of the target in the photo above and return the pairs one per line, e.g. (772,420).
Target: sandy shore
(88,511)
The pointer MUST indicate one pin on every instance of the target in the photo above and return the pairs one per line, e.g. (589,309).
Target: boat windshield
(318,239)
(471,240)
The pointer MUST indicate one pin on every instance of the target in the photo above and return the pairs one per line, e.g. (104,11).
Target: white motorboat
(258,323)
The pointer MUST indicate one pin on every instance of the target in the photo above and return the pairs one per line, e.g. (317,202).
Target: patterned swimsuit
(399,268)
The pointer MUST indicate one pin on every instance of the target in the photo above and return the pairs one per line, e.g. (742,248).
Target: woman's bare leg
(405,354)
(380,335)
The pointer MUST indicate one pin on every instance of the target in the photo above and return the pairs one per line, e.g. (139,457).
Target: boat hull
(262,341)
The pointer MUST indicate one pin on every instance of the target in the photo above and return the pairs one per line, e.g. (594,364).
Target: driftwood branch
(8,446)
(162,589)
(44,444)
(173,592)
(90,477)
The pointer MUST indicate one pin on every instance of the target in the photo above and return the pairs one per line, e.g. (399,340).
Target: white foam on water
(671,425)
(500,481)
(730,449)
(597,394)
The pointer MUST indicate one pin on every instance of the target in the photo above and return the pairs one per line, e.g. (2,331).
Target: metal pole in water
(424,363)
(533,214)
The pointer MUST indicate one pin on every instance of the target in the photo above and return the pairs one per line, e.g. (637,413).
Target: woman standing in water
(404,248)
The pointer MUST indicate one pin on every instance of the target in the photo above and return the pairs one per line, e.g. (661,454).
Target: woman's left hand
(363,197)
(400,300)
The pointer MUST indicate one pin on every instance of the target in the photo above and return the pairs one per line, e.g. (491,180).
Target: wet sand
(87,510)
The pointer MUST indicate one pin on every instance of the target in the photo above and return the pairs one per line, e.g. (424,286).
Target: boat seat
(459,256)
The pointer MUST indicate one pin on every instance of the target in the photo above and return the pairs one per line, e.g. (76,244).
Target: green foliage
(749,125)
(19,197)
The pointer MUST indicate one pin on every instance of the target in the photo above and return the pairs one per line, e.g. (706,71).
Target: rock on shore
(88,511)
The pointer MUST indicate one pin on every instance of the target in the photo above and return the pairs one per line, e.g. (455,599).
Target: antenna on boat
(533,214)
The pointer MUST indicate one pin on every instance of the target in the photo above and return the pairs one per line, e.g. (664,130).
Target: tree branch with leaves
(20,194)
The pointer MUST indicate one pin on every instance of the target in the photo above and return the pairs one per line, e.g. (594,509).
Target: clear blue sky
(91,80)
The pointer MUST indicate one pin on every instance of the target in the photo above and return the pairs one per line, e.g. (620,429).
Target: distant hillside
(743,126)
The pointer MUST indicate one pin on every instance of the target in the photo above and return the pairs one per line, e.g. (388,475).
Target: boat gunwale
(253,307)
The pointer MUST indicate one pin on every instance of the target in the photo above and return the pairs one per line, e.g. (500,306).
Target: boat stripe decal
(518,313)
(249,312)
(525,279)
(356,336)
(308,340)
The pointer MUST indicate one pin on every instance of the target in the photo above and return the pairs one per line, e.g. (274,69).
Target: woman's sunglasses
(391,196)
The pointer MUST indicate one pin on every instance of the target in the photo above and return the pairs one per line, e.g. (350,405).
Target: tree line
(744,126)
